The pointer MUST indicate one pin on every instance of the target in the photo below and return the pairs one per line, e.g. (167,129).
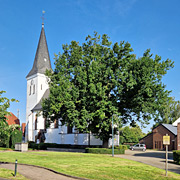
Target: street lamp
(112,137)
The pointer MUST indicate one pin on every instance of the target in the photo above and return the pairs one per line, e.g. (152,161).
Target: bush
(125,147)
(176,156)
(104,151)
(16,137)
(43,146)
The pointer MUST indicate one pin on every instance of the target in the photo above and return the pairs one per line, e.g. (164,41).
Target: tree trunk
(105,143)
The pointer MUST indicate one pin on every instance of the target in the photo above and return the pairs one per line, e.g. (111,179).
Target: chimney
(178,136)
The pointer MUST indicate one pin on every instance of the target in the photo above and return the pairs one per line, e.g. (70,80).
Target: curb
(47,169)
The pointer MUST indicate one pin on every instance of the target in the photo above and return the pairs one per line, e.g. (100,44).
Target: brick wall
(178,136)
(148,141)
(158,134)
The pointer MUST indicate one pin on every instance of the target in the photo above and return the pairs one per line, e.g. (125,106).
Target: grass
(9,174)
(91,166)
(5,149)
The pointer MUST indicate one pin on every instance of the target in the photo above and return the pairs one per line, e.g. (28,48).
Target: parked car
(141,147)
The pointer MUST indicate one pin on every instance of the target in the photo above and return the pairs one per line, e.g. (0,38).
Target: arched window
(36,122)
(34,89)
(30,90)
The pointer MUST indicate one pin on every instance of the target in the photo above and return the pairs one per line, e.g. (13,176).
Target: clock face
(45,59)
(32,82)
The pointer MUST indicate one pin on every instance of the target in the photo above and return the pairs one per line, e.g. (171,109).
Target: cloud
(123,7)
(106,7)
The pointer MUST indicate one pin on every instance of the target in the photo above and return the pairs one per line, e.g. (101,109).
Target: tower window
(41,86)
(30,90)
(34,89)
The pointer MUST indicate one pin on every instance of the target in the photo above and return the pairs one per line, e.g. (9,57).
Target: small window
(30,90)
(34,89)
(41,86)
(69,129)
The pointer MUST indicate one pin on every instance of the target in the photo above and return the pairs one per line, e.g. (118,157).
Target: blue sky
(145,24)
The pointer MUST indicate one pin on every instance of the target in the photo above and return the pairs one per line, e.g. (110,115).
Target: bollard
(15,168)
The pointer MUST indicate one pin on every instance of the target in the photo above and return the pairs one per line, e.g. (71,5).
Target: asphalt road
(153,158)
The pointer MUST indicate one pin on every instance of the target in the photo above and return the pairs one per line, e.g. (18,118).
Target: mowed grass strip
(9,174)
(90,166)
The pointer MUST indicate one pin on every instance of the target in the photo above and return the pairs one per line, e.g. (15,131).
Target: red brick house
(12,119)
(154,140)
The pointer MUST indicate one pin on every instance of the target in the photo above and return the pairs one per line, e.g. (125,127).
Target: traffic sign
(166,140)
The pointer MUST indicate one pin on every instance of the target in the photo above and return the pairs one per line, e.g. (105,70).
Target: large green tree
(131,134)
(4,105)
(169,112)
(4,128)
(97,79)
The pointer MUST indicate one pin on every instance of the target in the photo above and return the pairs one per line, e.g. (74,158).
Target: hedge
(125,147)
(176,156)
(104,151)
(44,146)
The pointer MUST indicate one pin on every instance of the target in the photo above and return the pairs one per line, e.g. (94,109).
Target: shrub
(16,137)
(43,146)
(176,156)
(104,151)
(125,147)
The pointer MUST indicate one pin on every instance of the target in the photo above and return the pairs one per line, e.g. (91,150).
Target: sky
(144,24)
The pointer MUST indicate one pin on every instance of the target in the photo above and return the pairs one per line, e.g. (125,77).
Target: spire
(42,59)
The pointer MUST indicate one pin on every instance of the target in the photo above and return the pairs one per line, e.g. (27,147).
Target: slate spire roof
(42,59)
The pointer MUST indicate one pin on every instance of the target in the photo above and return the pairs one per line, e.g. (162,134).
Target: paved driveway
(153,158)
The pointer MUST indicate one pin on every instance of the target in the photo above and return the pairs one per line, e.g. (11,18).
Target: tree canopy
(169,112)
(5,130)
(4,105)
(131,134)
(96,80)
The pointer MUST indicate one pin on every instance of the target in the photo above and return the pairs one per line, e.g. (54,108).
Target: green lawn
(9,174)
(91,166)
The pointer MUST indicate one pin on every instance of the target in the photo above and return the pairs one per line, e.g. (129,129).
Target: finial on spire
(43,12)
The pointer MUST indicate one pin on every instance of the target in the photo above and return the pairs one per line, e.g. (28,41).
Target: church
(38,89)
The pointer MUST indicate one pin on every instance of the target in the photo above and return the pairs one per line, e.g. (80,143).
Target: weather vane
(43,12)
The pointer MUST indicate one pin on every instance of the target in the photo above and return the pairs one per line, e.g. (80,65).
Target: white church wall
(52,136)
(116,141)
(30,128)
(42,85)
(94,141)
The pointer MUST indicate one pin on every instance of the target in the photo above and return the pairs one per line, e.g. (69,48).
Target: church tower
(37,82)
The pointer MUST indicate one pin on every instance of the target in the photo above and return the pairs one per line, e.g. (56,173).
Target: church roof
(42,59)
(38,106)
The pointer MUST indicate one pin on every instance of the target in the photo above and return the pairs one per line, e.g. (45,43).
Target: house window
(34,89)
(56,123)
(69,129)
(36,122)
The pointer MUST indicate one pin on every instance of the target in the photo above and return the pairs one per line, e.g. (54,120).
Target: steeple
(42,59)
